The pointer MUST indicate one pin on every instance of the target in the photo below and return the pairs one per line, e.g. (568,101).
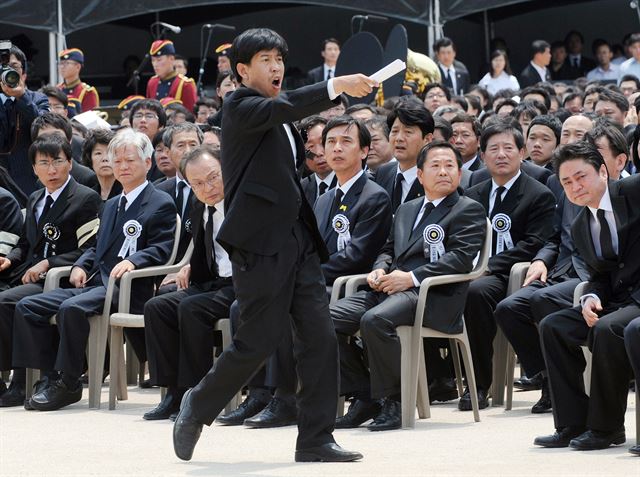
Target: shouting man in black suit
(521,212)
(61,223)
(408,257)
(607,235)
(275,248)
(178,326)
(411,128)
(137,230)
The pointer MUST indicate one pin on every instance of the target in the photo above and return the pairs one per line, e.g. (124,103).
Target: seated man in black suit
(411,128)
(10,223)
(61,223)
(322,178)
(178,326)
(543,136)
(521,212)
(54,123)
(137,230)
(536,71)
(330,53)
(381,150)
(607,234)
(405,260)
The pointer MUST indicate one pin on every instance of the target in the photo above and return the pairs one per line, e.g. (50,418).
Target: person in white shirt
(500,76)
(605,69)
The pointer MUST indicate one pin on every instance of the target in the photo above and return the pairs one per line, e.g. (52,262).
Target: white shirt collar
(327,180)
(470,162)
(507,186)
(219,211)
(435,203)
(605,203)
(347,185)
(4,98)
(133,195)
(409,175)
(178,180)
(542,70)
(450,68)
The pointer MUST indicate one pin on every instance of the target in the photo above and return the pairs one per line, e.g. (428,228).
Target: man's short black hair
(539,46)
(195,154)
(50,145)
(179,108)
(474,101)
(309,123)
(604,127)
(431,86)
(573,33)
(597,43)
(95,136)
(379,123)
(619,99)
(444,126)
(208,102)
(53,92)
(631,78)
(507,102)
(484,92)
(537,90)
(151,105)
(20,56)
(424,152)
(329,40)
(633,38)
(571,96)
(252,41)
(53,120)
(501,126)
(549,121)
(578,150)
(411,113)
(467,118)
(364,137)
(157,139)
(184,60)
(530,109)
(443,43)
(360,107)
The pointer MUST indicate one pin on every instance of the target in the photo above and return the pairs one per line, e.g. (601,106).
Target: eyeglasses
(57,107)
(436,95)
(56,163)
(147,116)
(211,181)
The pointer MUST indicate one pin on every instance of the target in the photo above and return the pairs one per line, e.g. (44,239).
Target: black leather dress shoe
(186,430)
(14,396)
(56,396)
(169,405)
(249,408)
(465,401)
(276,414)
(529,384)
(38,386)
(389,418)
(146,384)
(442,390)
(326,453)
(595,440)
(560,438)
(544,403)
(635,450)
(359,412)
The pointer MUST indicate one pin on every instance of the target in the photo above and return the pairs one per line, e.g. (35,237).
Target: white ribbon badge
(433,242)
(51,235)
(501,223)
(340,224)
(132,230)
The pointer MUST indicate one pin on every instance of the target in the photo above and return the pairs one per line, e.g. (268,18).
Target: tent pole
(439,31)
(430,30)
(53,55)
(487,35)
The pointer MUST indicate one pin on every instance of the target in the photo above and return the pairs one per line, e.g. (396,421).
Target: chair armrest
(429,282)
(54,275)
(338,284)
(351,287)
(578,292)
(517,276)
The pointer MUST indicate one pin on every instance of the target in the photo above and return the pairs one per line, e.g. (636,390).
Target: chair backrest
(176,242)
(485,253)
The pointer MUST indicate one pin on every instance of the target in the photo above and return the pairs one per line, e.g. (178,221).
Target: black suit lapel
(621,215)
(33,234)
(512,197)
(132,213)
(299,146)
(416,191)
(348,202)
(583,239)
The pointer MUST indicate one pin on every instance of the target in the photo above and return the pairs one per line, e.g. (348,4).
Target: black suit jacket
(169,186)
(72,221)
(541,174)
(156,213)
(368,208)
(263,196)
(10,222)
(530,206)
(386,178)
(568,71)
(529,76)
(464,225)
(310,187)
(616,282)
(463,81)
(316,75)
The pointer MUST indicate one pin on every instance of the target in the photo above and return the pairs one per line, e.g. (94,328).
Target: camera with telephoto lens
(8,75)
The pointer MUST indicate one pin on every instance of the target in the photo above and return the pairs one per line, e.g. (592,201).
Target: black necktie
(397,192)
(121,211)
(606,244)
(208,238)
(498,202)
(329,74)
(447,79)
(47,205)
(322,188)
(576,63)
(428,207)
(180,198)
(337,202)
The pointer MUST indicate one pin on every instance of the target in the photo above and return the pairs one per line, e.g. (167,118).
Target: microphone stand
(203,57)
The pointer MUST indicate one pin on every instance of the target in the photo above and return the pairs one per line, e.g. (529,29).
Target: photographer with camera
(18,108)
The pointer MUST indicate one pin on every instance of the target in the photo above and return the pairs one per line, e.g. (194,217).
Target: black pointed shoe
(249,408)
(39,386)
(326,453)
(14,396)
(276,414)
(389,418)
(169,405)
(443,390)
(186,429)
(560,438)
(596,440)
(544,403)
(465,401)
(56,396)
(635,450)
(359,412)
(533,383)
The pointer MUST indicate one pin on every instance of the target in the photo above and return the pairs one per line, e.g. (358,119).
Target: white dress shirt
(542,71)
(54,195)
(494,190)
(503,81)
(133,195)
(222,258)
(452,74)
(347,185)
(594,225)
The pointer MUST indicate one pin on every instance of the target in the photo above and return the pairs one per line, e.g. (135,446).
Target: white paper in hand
(388,71)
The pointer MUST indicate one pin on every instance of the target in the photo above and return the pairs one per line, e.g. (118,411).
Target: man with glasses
(148,117)
(179,325)
(18,108)
(61,223)
(70,62)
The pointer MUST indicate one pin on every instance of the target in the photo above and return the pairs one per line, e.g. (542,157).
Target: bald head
(574,129)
